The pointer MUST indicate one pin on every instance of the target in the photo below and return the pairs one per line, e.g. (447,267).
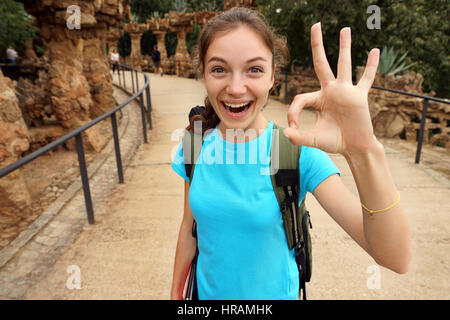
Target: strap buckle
(299,246)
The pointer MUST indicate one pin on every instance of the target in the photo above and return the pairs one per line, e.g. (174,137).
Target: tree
(208,5)
(15,25)
(145,9)
(148,40)
(418,26)
(124,45)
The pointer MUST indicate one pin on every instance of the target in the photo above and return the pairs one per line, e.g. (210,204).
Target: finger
(321,65)
(300,138)
(370,71)
(300,101)
(345,56)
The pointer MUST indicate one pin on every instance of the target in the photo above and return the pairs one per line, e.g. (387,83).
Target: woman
(242,247)
(115,60)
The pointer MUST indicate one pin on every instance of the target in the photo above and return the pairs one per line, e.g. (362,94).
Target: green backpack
(286,185)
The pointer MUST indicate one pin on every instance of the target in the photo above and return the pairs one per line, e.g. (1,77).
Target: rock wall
(15,198)
(67,87)
(395,115)
(75,85)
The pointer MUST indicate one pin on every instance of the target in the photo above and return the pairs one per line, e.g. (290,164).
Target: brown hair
(227,21)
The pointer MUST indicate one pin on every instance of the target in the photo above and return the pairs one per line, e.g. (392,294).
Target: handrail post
(422,129)
(124,83)
(149,105)
(84,178)
(137,82)
(118,73)
(132,79)
(144,125)
(117,147)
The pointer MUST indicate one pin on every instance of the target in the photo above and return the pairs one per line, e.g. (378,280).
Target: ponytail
(209,118)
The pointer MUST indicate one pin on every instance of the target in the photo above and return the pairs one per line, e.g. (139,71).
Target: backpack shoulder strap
(285,156)
(192,146)
(286,180)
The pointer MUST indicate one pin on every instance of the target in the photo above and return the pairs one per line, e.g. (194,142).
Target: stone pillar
(135,30)
(159,28)
(160,38)
(112,38)
(96,70)
(79,85)
(180,23)
(183,61)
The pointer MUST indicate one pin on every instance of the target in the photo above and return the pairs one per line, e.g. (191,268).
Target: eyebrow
(248,61)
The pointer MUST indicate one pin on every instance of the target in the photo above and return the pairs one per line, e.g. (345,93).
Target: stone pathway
(129,252)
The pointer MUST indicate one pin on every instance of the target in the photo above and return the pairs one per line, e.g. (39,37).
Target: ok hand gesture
(343,123)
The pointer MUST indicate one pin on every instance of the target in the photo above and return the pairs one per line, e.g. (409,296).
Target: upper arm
(187,217)
(343,206)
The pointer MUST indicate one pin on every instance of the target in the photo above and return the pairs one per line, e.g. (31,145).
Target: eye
(217,70)
(256,70)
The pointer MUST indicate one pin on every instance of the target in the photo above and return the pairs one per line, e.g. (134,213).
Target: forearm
(387,232)
(183,258)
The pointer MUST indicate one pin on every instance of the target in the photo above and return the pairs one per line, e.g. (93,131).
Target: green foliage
(148,40)
(419,27)
(124,45)
(145,9)
(171,43)
(208,5)
(192,38)
(390,63)
(180,6)
(15,25)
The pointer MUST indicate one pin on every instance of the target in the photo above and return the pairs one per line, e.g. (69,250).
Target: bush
(15,25)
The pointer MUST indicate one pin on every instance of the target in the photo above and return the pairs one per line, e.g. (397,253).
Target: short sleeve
(315,166)
(178,162)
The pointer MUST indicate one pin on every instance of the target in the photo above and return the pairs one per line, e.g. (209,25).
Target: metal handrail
(77,134)
(426,99)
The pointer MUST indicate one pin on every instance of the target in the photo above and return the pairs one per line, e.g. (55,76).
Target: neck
(240,135)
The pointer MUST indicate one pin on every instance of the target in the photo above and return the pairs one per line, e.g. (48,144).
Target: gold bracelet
(385,209)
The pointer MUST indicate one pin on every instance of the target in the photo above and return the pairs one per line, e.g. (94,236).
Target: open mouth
(237,108)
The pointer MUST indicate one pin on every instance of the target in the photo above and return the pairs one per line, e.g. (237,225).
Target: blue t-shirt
(243,251)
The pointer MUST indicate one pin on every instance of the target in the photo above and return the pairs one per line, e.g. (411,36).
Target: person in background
(156,57)
(11,54)
(115,60)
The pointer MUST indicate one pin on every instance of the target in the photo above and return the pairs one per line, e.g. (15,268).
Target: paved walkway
(129,252)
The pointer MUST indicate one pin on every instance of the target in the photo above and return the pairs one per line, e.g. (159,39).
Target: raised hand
(343,123)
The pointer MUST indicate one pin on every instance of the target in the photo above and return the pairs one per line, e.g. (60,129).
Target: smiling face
(238,74)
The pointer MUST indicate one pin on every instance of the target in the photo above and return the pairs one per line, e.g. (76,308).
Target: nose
(236,86)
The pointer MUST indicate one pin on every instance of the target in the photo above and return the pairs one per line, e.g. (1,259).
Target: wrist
(364,153)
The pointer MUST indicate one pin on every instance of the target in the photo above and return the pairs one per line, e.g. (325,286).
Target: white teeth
(236,105)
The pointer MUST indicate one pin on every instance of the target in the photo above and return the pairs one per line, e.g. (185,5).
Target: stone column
(79,85)
(183,61)
(180,23)
(159,28)
(112,38)
(135,30)
(160,38)
(96,70)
